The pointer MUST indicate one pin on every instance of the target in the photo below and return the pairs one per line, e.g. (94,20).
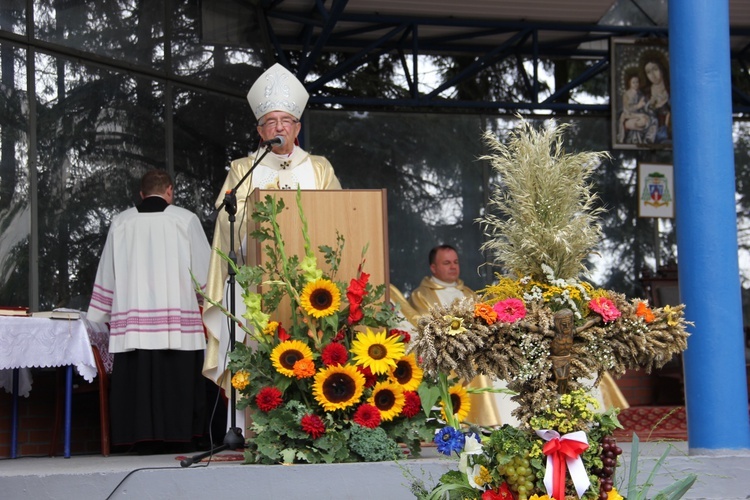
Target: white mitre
(277,90)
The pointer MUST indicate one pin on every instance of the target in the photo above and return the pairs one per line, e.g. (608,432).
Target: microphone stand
(233,439)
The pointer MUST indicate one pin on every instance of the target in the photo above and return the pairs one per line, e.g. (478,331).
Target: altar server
(144,290)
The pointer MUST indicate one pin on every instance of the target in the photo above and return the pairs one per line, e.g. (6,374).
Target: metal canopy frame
(327,27)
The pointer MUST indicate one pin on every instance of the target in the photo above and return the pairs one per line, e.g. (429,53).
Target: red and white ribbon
(562,451)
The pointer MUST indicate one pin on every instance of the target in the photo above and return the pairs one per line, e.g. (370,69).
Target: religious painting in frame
(655,190)
(640,97)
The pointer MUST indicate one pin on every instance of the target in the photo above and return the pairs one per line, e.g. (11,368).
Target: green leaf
(679,488)
(633,476)
(288,455)
(429,396)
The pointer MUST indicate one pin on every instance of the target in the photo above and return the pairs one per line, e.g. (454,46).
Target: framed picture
(641,111)
(655,190)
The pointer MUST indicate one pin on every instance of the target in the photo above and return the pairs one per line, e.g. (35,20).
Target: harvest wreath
(543,330)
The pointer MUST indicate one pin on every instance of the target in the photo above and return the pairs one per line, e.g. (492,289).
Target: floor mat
(653,423)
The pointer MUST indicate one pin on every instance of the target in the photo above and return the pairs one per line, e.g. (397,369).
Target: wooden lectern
(360,215)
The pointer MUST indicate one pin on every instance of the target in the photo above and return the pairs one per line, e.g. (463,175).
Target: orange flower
(485,311)
(643,311)
(304,368)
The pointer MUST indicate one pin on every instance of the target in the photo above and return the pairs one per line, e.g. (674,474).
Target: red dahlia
(313,425)
(334,354)
(268,398)
(367,416)
(370,378)
(412,404)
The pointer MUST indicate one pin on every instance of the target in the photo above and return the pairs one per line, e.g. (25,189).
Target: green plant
(672,492)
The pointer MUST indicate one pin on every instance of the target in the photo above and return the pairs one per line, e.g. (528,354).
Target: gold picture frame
(640,97)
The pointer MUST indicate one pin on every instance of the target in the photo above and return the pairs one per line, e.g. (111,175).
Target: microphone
(276,141)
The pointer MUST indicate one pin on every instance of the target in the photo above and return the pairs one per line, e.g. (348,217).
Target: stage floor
(720,476)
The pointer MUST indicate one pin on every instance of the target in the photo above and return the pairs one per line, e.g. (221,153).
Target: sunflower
(287,353)
(377,351)
(407,373)
(388,397)
(459,401)
(320,298)
(337,387)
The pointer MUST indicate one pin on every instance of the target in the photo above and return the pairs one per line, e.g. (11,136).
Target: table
(29,342)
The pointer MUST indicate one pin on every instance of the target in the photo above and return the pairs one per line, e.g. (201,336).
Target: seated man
(442,288)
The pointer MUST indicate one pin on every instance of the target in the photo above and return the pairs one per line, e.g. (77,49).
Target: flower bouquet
(332,381)
(545,332)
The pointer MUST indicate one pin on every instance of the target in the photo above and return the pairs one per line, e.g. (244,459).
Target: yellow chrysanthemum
(377,351)
(271,328)
(337,387)
(286,354)
(320,298)
(543,497)
(388,397)
(304,368)
(407,373)
(241,379)
(460,402)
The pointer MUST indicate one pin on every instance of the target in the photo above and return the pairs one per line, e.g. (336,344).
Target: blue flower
(449,440)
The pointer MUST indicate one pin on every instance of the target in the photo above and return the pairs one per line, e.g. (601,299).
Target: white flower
(549,272)
(474,474)
(472,446)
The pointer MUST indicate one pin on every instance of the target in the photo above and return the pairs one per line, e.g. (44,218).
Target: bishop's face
(279,123)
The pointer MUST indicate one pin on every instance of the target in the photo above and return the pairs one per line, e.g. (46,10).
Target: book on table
(14,311)
(69,314)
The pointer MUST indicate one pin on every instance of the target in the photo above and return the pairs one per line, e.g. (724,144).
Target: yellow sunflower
(407,373)
(377,351)
(388,397)
(320,298)
(337,387)
(287,353)
(459,401)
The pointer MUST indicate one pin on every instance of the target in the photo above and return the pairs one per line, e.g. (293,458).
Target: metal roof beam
(331,18)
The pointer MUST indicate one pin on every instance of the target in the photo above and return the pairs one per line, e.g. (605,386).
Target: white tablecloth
(27,342)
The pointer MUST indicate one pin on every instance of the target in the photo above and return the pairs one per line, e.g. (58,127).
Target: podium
(359,215)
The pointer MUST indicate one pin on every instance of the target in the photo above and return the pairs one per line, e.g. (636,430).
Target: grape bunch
(519,476)
(610,452)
